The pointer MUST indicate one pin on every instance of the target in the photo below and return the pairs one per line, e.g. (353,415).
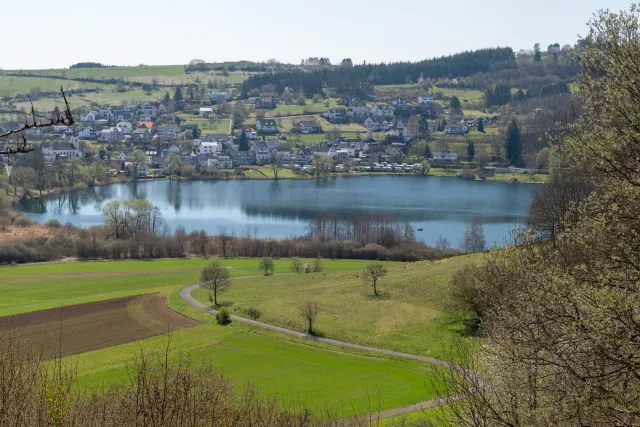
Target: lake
(439,205)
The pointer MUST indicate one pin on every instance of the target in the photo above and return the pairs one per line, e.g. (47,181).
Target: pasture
(410,317)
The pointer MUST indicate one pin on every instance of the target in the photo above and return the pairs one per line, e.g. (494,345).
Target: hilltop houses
(266,126)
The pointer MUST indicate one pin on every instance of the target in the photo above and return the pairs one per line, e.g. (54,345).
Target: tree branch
(37,121)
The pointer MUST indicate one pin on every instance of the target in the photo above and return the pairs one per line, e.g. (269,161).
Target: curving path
(185,294)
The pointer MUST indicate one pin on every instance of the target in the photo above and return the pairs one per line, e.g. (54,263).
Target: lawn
(410,317)
(469,95)
(300,373)
(40,286)
(9,85)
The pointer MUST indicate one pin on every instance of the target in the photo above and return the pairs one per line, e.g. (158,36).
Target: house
(124,113)
(91,116)
(335,115)
(374,124)
(141,136)
(141,170)
(168,133)
(456,129)
(64,149)
(446,156)
(205,110)
(250,133)
(220,162)
(383,111)
(266,126)
(307,126)
(265,102)
(261,150)
(109,135)
(426,100)
(358,112)
(394,154)
(399,101)
(207,148)
(218,96)
(148,125)
(87,133)
(148,110)
(125,128)
(243,158)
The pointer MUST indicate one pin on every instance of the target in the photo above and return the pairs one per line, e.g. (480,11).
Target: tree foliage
(561,317)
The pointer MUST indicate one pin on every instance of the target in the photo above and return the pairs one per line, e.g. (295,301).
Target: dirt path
(185,294)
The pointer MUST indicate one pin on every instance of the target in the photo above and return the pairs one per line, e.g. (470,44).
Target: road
(185,294)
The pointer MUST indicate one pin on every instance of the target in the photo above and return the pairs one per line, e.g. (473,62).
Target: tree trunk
(375,288)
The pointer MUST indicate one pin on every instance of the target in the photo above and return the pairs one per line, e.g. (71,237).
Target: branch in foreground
(37,121)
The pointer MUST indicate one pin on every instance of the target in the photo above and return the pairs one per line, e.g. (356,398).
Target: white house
(125,128)
(206,148)
(91,116)
(307,126)
(266,126)
(220,162)
(261,150)
(398,101)
(169,132)
(250,133)
(439,156)
(359,112)
(373,124)
(383,111)
(427,100)
(88,132)
(218,96)
(205,110)
(456,129)
(64,149)
(335,114)
(148,110)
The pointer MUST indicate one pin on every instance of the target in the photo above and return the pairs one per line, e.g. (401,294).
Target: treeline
(92,65)
(359,79)
(136,230)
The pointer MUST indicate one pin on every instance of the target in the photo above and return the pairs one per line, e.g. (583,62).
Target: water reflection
(282,209)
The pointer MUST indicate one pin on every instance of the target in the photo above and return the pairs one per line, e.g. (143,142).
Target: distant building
(456,129)
(64,149)
(266,126)
(427,100)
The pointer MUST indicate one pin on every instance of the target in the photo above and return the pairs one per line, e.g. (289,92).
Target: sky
(46,34)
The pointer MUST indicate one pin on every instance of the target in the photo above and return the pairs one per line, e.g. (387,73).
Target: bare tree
(15,142)
(224,240)
(275,163)
(498,150)
(372,274)
(199,242)
(555,205)
(309,311)
(215,278)
(442,244)
(474,240)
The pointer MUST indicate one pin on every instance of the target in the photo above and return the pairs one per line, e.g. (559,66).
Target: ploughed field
(85,327)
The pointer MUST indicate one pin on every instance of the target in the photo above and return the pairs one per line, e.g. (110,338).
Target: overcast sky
(46,34)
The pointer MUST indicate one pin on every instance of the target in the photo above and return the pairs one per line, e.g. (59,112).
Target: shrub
(23,221)
(222,316)
(53,223)
(5,222)
(252,313)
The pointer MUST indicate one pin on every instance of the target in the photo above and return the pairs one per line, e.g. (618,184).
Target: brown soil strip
(92,326)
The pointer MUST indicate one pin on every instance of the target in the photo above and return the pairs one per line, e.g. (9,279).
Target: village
(385,139)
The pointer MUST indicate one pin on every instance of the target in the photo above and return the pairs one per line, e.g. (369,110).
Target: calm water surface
(439,205)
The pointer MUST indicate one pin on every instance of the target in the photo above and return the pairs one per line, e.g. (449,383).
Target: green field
(411,317)
(299,373)
(39,286)
(165,74)
(10,86)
